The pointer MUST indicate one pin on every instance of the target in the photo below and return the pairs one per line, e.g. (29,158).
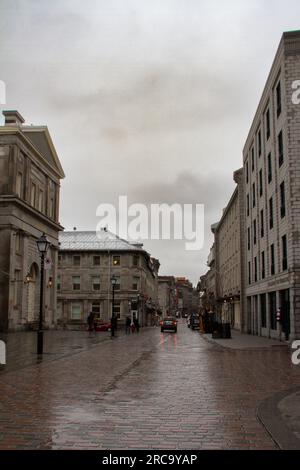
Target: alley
(148,391)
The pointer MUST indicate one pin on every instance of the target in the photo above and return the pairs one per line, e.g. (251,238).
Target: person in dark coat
(136,325)
(91,321)
(128,325)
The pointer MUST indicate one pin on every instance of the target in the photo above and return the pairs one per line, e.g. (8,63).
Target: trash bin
(226,330)
(217,331)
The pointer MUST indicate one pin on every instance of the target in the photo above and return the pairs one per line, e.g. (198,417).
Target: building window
(282,200)
(255,269)
(58,285)
(259,143)
(260,183)
(59,310)
(136,260)
(96,283)
(263,265)
(76,311)
(262,224)
(249,239)
(248,205)
(76,282)
(117,309)
(263,310)
(18,243)
(269,168)
(268,124)
(96,260)
(33,195)
(96,308)
(76,260)
(41,201)
(19,184)
(280,149)
(59,260)
(253,160)
(135,283)
(272,260)
(51,208)
(284,253)
(249,273)
(253,195)
(116,260)
(278,99)
(247,171)
(254,232)
(272,307)
(271,215)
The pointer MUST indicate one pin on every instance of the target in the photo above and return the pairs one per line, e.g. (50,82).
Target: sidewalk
(21,346)
(241,341)
(280,415)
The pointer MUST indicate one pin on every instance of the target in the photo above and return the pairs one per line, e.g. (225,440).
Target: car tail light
(161,323)
(174,322)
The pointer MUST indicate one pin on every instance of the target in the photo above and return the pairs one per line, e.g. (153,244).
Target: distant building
(87,262)
(229,246)
(30,174)
(167,295)
(188,297)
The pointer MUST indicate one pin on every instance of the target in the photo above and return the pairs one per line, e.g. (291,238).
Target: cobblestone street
(147,391)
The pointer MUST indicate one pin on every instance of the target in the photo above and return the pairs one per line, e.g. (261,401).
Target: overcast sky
(147,98)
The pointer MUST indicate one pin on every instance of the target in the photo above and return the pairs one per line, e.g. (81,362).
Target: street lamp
(113,283)
(43,246)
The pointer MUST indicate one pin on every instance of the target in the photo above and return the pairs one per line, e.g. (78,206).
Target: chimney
(13,118)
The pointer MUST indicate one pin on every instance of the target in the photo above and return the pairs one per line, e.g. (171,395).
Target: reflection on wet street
(150,390)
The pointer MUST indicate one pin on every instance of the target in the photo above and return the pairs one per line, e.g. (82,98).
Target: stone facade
(188,297)
(30,174)
(167,296)
(228,240)
(87,261)
(272,202)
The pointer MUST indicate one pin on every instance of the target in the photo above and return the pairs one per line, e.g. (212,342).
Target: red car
(101,326)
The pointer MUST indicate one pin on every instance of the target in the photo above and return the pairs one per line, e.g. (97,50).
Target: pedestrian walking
(91,322)
(128,325)
(136,325)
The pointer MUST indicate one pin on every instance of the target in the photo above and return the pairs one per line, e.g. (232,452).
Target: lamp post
(113,283)
(42,245)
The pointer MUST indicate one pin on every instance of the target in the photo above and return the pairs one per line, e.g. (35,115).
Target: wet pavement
(143,391)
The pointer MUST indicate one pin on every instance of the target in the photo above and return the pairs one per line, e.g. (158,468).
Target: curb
(270,417)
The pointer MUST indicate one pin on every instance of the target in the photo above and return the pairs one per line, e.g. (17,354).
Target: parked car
(168,324)
(195,323)
(102,326)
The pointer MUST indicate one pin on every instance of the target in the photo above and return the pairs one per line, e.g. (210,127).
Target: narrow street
(143,391)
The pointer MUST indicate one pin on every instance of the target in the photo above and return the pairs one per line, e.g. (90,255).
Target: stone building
(272,201)
(188,297)
(87,261)
(30,174)
(229,233)
(167,295)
